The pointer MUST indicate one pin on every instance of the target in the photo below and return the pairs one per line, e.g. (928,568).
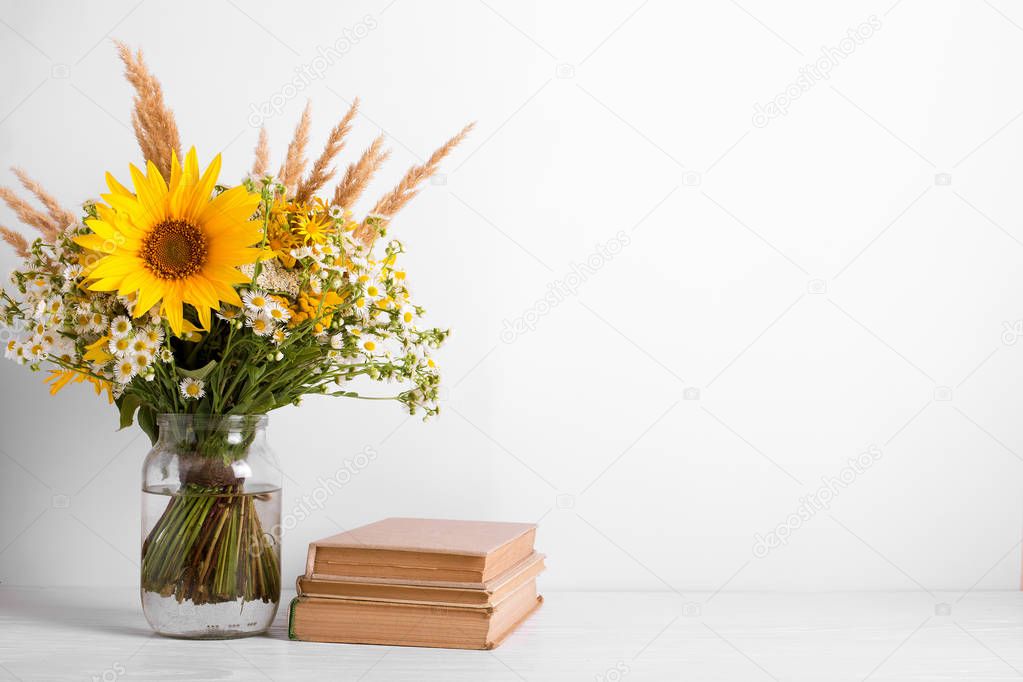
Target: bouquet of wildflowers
(177,294)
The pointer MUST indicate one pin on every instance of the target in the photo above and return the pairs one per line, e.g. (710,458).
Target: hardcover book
(462,554)
(420,592)
(353,621)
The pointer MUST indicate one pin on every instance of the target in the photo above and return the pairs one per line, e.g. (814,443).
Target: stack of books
(419,582)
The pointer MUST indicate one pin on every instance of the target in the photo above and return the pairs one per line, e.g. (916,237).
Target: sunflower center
(174,249)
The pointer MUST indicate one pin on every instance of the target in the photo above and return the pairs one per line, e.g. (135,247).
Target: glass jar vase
(211,519)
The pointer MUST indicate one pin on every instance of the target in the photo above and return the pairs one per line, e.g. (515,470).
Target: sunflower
(174,244)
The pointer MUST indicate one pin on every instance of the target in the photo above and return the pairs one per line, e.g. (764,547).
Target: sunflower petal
(116,187)
(172,309)
(148,296)
(205,317)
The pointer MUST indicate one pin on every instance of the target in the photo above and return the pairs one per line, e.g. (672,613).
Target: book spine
(291,619)
(310,558)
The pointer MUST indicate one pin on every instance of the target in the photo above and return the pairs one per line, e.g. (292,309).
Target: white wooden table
(67,634)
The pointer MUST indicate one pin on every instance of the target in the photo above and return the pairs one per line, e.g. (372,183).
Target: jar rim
(216,420)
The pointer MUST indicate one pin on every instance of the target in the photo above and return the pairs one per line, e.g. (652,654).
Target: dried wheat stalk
(60,215)
(359,174)
(322,172)
(19,243)
(154,124)
(29,215)
(262,161)
(294,164)
(395,200)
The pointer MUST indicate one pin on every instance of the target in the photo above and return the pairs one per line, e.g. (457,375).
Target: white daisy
(64,349)
(142,360)
(192,389)
(277,312)
(154,335)
(261,324)
(20,354)
(124,371)
(46,339)
(166,354)
(128,303)
(373,290)
(35,350)
(97,322)
(83,318)
(406,317)
(255,300)
(72,272)
(337,341)
(120,346)
(120,326)
(140,344)
(302,252)
(280,335)
(12,349)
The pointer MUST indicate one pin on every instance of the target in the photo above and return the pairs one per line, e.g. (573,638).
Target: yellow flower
(59,378)
(97,352)
(314,228)
(281,242)
(174,244)
(318,308)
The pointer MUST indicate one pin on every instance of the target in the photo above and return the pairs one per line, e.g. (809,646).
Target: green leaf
(200,373)
(128,404)
(254,373)
(147,420)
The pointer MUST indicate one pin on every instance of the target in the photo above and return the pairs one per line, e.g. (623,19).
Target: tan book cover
(466,553)
(491,594)
(352,621)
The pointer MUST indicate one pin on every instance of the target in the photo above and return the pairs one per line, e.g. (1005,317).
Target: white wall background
(845,277)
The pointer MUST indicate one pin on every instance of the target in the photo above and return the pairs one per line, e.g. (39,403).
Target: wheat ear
(154,124)
(262,161)
(19,243)
(295,162)
(359,174)
(60,215)
(29,215)
(322,172)
(395,200)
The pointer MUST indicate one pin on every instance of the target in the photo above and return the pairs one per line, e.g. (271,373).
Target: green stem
(209,547)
